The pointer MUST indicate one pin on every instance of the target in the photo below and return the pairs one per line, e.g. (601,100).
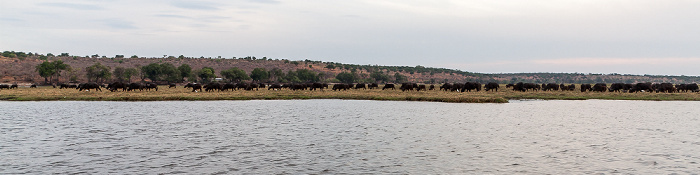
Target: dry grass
(165,94)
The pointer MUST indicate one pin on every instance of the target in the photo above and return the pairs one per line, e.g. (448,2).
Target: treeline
(175,69)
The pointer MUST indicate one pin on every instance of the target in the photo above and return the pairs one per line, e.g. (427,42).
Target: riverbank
(182,94)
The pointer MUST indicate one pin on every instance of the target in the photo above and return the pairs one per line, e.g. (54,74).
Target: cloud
(71,6)
(265,1)
(195,5)
(119,24)
(614,61)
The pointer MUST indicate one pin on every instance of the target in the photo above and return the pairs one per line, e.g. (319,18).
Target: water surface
(350,137)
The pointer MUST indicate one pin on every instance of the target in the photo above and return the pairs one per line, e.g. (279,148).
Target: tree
(235,74)
(259,74)
(151,71)
(206,74)
(330,66)
(170,73)
(49,69)
(276,74)
(118,73)
(46,70)
(346,77)
(399,78)
(185,71)
(98,72)
(379,76)
(307,75)
(130,72)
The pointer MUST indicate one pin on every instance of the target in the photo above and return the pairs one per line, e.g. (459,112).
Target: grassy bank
(167,94)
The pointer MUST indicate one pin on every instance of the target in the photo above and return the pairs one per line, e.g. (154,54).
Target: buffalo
(421,87)
(641,87)
(372,86)
(275,86)
(13,86)
(340,87)
(117,85)
(172,85)
(149,86)
(315,86)
(446,87)
(32,86)
(664,87)
(616,87)
(550,87)
(469,86)
(4,86)
(457,87)
(600,87)
(586,87)
(135,86)
(491,86)
(196,86)
(389,86)
(212,86)
(228,86)
(88,86)
(360,86)
(432,87)
(406,87)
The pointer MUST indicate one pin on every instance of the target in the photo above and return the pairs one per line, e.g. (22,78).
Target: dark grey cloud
(71,6)
(195,5)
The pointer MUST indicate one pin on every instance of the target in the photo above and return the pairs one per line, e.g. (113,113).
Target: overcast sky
(489,36)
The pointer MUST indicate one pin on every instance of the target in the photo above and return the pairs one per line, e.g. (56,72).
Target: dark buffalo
(446,87)
(228,86)
(510,85)
(690,87)
(586,87)
(340,87)
(432,87)
(4,86)
(520,86)
(389,86)
(665,87)
(296,86)
(275,86)
(564,87)
(360,86)
(88,86)
(491,86)
(32,86)
(372,86)
(149,86)
(616,87)
(135,86)
(600,87)
(315,86)
(457,87)
(117,85)
(641,87)
(196,86)
(212,86)
(172,85)
(188,85)
(252,86)
(13,86)
(406,87)
(421,87)
(469,86)
(550,87)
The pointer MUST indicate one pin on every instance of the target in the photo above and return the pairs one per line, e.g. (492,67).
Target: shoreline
(182,94)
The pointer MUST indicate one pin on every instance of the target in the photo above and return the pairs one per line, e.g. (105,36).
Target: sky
(487,36)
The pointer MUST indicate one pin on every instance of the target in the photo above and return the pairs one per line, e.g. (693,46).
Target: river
(349,137)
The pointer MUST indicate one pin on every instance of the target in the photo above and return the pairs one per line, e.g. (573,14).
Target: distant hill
(21,68)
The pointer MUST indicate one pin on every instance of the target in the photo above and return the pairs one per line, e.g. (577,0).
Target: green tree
(130,72)
(235,74)
(206,74)
(276,74)
(379,76)
(118,73)
(46,70)
(259,74)
(98,72)
(399,78)
(307,75)
(170,73)
(346,77)
(185,71)
(151,71)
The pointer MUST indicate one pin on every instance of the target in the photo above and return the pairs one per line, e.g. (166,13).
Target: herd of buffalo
(454,87)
